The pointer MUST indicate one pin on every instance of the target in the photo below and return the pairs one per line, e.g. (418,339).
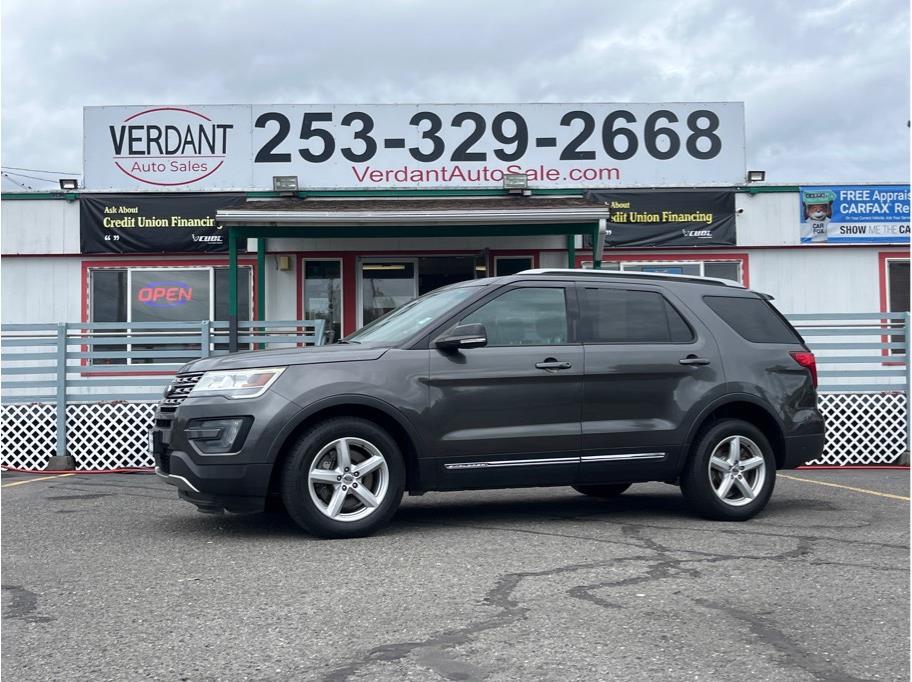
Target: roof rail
(629,274)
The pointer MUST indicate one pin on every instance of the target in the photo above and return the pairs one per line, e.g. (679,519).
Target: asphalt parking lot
(111,577)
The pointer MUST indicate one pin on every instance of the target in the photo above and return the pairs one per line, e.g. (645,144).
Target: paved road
(111,577)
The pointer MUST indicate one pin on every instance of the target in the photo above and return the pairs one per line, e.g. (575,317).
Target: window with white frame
(163,294)
(722,269)
(897,271)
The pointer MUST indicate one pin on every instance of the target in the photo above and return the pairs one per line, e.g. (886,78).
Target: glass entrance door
(386,285)
(323,295)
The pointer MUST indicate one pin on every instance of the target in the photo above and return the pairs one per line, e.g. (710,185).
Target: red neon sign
(165,294)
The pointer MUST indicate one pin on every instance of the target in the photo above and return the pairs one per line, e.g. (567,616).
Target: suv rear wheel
(731,472)
(343,478)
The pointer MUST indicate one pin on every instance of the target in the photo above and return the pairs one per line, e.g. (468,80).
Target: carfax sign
(242,147)
(854,214)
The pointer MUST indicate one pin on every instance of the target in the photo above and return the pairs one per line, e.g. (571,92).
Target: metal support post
(232,292)
(571,250)
(60,461)
(204,339)
(908,359)
(598,243)
(261,285)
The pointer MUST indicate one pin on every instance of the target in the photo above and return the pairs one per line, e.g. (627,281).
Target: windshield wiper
(345,341)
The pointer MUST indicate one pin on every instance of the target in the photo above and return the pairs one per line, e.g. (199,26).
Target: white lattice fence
(29,434)
(110,435)
(862,428)
(101,435)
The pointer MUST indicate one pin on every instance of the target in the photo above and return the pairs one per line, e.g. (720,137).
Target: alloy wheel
(348,479)
(737,470)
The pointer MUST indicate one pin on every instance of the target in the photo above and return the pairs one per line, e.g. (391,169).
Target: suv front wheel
(343,478)
(731,472)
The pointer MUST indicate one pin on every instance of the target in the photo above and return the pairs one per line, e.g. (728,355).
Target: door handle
(693,360)
(551,363)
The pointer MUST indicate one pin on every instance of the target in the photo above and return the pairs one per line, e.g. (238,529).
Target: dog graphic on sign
(817,211)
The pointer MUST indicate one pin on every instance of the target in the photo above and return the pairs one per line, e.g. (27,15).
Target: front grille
(177,392)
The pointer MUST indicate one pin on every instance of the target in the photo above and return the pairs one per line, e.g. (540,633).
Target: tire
(716,483)
(610,490)
(331,501)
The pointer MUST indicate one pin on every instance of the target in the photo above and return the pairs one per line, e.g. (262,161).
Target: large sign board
(854,214)
(668,218)
(129,223)
(242,147)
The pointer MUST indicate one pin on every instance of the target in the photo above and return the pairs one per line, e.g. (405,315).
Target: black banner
(668,218)
(131,223)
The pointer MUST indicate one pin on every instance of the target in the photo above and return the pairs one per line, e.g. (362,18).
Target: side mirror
(463,336)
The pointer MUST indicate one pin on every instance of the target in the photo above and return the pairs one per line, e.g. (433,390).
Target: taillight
(807,360)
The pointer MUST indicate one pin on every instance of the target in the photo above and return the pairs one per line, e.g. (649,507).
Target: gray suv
(589,379)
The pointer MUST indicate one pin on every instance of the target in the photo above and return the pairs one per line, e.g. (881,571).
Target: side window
(628,316)
(532,316)
(753,318)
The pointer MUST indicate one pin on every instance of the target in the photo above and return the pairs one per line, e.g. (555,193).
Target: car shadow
(565,506)
(464,510)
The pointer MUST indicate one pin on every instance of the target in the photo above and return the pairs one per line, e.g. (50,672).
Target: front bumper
(212,503)
(237,482)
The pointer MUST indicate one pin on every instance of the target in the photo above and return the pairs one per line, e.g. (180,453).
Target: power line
(14,180)
(32,177)
(42,170)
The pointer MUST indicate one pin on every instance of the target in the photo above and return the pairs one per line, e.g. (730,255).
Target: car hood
(280,357)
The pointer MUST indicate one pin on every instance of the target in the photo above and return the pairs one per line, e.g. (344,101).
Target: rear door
(646,366)
(508,413)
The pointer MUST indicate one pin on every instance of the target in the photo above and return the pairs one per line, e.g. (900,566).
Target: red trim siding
(156,262)
(882,259)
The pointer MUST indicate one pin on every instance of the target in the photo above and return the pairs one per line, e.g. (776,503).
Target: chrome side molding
(512,463)
(554,460)
(620,458)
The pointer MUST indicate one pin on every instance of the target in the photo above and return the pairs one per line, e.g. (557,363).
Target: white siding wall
(769,219)
(552,259)
(41,289)
(815,280)
(281,290)
(39,226)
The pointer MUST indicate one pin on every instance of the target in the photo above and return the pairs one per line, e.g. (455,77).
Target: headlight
(240,383)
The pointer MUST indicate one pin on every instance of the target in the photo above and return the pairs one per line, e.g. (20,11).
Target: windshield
(399,324)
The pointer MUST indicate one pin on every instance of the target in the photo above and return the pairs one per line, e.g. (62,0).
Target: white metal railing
(97,384)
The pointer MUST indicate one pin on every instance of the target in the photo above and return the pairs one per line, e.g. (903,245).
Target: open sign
(165,294)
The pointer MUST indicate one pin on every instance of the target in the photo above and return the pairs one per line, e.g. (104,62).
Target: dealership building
(369,206)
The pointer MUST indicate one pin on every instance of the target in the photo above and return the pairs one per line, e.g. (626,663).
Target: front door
(385,285)
(508,413)
(646,367)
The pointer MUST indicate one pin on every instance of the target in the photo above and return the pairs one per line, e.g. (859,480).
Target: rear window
(630,316)
(753,318)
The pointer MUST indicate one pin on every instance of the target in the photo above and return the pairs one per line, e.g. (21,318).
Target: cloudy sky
(825,82)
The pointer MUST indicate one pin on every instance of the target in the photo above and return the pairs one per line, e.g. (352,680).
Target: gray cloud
(825,83)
